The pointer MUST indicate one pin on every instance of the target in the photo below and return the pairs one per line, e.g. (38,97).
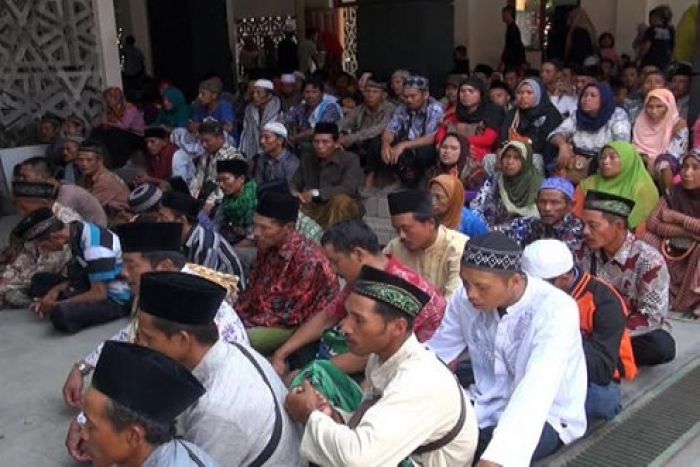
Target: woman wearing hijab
(580,40)
(674,228)
(120,128)
(448,205)
(621,172)
(533,118)
(596,122)
(512,191)
(475,119)
(118,113)
(661,136)
(176,112)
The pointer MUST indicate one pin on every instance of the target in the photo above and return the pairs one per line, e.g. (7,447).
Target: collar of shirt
(621,256)
(284,155)
(439,243)
(209,363)
(523,303)
(384,372)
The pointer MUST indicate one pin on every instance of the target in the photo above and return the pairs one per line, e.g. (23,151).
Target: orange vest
(626,366)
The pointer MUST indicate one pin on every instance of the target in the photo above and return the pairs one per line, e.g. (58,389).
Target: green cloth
(634,182)
(519,192)
(239,209)
(341,391)
(309,228)
(179,115)
(267,340)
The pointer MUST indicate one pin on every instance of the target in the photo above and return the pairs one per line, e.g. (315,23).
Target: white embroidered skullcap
(265,84)
(276,128)
(547,259)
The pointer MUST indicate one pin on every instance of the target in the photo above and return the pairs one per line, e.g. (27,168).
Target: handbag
(678,248)
(577,169)
(513,134)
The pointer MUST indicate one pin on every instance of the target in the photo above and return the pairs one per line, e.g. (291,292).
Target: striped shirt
(98,252)
(211,250)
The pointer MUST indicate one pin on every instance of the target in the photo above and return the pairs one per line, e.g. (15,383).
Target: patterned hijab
(455,199)
(519,192)
(652,138)
(634,182)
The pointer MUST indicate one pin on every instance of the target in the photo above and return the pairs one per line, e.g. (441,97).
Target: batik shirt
(30,260)
(206,172)
(407,125)
(288,285)
(426,322)
(526,230)
(639,273)
(302,117)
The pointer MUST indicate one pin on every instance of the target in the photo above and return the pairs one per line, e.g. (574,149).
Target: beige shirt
(439,263)
(419,403)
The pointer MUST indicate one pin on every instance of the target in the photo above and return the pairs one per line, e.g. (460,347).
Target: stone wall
(49,62)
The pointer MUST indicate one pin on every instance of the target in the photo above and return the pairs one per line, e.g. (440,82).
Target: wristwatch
(83,368)
(315,193)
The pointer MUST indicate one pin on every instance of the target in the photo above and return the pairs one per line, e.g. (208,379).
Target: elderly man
(240,420)
(203,185)
(408,141)
(165,160)
(275,163)
(636,269)
(554,202)
(291,278)
(412,407)
(603,313)
(350,245)
(523,338)
(93,291)
(264,108)
(210,105)
(23,258)
(289,92)
(430,249)
(127,423)
(362,129)
(327,182)
(106,186)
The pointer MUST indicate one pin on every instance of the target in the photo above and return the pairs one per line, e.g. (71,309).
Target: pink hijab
(651,138)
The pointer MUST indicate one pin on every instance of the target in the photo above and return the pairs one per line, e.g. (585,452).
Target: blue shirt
(407,124)
(223,113)
(98,252)
(471,224)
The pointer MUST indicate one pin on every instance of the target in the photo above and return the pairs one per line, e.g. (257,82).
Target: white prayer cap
(288,78)
(276,128)
(547,259)
(265,84)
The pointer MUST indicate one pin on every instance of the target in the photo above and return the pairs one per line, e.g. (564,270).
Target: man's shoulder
(645,251)
(456,238)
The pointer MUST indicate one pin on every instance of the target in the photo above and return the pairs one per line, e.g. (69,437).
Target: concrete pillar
(108,51)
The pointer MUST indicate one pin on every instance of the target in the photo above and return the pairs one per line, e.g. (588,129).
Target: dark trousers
(654,348)
(549,442)
(370,153)
(73,317)
(414,163)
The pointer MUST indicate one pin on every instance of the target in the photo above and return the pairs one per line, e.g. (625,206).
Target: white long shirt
(234,419)
(419,403)
(529,368)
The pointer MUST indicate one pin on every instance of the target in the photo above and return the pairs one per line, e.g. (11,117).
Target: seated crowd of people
(545,225)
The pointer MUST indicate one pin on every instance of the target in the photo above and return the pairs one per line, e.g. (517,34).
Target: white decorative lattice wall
(48,63)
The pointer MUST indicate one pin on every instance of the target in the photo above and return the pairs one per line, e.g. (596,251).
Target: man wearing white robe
(411,401)
(525,346)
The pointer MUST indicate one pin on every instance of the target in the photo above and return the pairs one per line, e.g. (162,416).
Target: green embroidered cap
(609,203)
(391,290)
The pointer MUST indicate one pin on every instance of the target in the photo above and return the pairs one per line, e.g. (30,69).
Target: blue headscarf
(586,122)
